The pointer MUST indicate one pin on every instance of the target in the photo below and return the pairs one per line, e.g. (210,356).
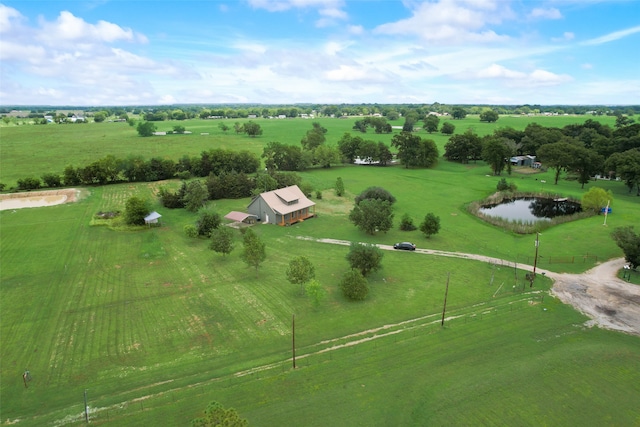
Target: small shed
(152,218)
(246,218)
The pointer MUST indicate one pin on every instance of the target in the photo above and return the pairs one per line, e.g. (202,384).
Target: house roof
(286,200)
(152,216)
(238,216)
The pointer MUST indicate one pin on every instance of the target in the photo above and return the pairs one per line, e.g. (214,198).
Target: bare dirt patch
(36,199)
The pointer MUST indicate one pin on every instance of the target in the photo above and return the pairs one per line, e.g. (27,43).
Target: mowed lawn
(155,325)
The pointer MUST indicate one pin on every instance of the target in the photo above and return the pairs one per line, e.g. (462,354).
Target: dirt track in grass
(609,301)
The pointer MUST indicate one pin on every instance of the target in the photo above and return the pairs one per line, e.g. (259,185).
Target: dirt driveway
(598,293)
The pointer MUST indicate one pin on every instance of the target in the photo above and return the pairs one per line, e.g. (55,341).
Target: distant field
(32,150)
(155,325)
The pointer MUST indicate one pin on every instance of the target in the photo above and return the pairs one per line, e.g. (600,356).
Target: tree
(314,137)
(179,129)
(325,155)
(372,215)
(238,128)
(365,258)
(414,151)
(135,210)
(146,128)
(585,163)
(430,225)
(195,196)
(51,180)
(626,165)
(556,155)
(464,147)
(223,127)
(208,221)
(349,146)
(339,187)
(489,116)
(375,193)
(300,271)
(99,117)
(252,129)
(595,199)
(458,113)
(217,416)
(222,240)
(354,285)
(254,249)
(431,123)
(447,128)
(496,153)
(315,292)
(629,242)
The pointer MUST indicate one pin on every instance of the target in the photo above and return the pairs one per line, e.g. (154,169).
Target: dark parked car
(407,246)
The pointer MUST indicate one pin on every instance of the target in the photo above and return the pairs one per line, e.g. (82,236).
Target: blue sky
(100,52)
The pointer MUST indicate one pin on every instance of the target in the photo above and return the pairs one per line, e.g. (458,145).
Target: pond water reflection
(531,209)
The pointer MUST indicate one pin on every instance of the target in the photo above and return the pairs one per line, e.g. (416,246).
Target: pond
(531,209)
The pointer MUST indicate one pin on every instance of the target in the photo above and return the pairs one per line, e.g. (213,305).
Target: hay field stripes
(527,301)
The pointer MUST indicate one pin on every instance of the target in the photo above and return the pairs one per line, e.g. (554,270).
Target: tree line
(583,150)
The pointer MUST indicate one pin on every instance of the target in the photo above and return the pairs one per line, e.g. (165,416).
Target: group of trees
(135,168)
(379,124)
(193,194)
(351,147)
(373,211)
(583,150)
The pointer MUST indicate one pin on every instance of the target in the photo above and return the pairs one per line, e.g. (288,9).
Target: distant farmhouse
(284,206)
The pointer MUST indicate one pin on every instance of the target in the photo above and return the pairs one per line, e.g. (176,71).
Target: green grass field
(155,325)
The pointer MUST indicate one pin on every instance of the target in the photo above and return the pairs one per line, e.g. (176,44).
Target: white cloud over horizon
(452,51)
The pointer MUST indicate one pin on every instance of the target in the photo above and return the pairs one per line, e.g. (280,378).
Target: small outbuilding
(241,217)
(152,218)
(284,206)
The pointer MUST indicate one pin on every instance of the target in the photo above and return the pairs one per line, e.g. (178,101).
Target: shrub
(406,223)
(375,193)
(318,194)
(191,231)
(29,183)
(354,285)
(503,185)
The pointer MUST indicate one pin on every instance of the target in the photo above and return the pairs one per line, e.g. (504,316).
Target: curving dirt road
(598,293)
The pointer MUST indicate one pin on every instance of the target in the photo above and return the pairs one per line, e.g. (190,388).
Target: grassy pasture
(155,325)
(38,149)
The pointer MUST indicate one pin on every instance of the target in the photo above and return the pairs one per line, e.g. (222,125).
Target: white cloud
(587,66)
(355,29)
(566,36)
(518,78)
(616,35)
(452,21)
(7,16)
(71,28)
(541,13)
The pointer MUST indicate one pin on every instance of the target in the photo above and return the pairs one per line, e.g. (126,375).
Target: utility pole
(535,259)
(446,292)
(86,407)
(293,336)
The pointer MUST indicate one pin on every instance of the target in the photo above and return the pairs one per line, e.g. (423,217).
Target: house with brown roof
(284,206)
